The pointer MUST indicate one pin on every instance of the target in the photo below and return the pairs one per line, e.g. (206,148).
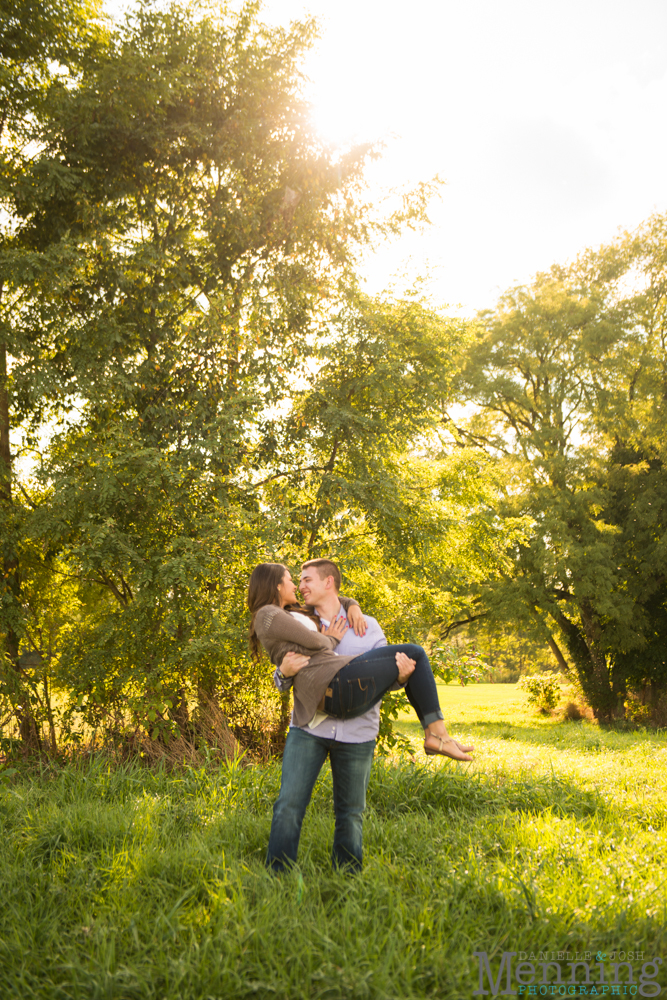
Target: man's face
(313,588)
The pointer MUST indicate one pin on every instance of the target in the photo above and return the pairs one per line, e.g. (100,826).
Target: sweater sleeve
(284,628)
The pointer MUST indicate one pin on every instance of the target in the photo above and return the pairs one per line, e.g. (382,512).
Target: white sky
(547,119)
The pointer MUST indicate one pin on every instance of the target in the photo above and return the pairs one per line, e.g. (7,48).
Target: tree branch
(279,475)
(463,621)
(31,503)
(106,581)
(562,662)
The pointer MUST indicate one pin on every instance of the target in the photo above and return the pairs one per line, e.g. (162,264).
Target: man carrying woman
(337,699)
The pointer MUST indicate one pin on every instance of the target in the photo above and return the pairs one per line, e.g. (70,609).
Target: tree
(568,377)
(43,47)
(178,238)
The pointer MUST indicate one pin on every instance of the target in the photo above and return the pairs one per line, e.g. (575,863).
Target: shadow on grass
(558,736)
(410,787)
(580,736)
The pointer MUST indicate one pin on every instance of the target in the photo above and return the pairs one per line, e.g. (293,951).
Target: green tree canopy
(183,322)
(567,377)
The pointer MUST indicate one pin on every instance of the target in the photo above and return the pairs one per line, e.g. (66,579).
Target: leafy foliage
(451,663)
(192,381)
(182,318)
(543,690)
(568,378)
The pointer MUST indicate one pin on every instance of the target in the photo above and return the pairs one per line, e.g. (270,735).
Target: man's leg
(302,762)
(351,769)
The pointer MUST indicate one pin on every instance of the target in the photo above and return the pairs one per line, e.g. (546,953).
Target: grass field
(126,883)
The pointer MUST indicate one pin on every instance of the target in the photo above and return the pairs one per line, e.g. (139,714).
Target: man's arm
(281,682)
(291,664)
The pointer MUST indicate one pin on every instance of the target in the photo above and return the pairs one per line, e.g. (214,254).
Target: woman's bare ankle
(437,728)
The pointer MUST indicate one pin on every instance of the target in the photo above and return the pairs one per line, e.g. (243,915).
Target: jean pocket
(360,692)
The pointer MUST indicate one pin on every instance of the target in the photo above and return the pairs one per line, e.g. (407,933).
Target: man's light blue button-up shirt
(364,727)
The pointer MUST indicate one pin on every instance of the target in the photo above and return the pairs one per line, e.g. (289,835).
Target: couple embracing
(339,666)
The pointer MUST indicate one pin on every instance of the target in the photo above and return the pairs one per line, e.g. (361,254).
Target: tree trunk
(583,645)
(5,453)
(560,659)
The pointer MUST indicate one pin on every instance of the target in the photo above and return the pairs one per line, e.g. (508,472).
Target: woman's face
(287,590)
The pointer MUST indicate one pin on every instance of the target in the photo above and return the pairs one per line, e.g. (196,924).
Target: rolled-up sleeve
(283,685)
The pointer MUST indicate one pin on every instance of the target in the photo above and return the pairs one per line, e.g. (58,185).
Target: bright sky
(547,119)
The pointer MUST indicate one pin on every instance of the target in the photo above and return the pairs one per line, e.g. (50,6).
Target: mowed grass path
(132,884)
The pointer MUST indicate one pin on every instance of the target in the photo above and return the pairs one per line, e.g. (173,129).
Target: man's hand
(405,667)
(337,628)
(293,663)
(356,619)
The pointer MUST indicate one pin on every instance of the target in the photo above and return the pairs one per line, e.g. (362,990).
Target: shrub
(454,663)
(543,690)
(576,711)
(646,708)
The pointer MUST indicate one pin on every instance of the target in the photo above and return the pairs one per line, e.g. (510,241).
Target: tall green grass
(127,883)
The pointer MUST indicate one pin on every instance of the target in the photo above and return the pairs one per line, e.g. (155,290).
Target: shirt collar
(341,611)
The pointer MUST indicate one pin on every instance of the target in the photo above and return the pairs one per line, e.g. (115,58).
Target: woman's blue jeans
(302,762)
(366,679)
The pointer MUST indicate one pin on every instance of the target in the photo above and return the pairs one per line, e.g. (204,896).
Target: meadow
(122,882)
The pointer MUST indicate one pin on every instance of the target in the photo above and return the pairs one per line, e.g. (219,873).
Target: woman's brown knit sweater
(280,633)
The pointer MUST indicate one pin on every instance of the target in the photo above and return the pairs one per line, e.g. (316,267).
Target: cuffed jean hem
(432,717)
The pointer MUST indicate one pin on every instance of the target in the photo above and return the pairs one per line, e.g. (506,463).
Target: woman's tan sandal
(444,745)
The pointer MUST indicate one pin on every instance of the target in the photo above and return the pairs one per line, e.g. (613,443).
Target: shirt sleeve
(374,638)
(283,685)
(375,633)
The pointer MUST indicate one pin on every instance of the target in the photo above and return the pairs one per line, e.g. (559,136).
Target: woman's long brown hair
(263,590)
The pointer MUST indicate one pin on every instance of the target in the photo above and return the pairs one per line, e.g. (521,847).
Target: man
(349,743)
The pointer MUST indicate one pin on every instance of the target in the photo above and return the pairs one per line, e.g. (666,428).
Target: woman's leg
(366,679)
(361,683)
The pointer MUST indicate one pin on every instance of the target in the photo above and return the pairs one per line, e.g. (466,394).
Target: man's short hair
(325,568)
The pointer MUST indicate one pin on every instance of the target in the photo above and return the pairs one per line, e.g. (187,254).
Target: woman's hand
(356,619)
(336,629)
(293,663)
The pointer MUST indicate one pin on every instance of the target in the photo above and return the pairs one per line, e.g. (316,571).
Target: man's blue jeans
(302,762)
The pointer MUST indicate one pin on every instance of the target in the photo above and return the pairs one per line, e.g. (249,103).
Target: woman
(340,686)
